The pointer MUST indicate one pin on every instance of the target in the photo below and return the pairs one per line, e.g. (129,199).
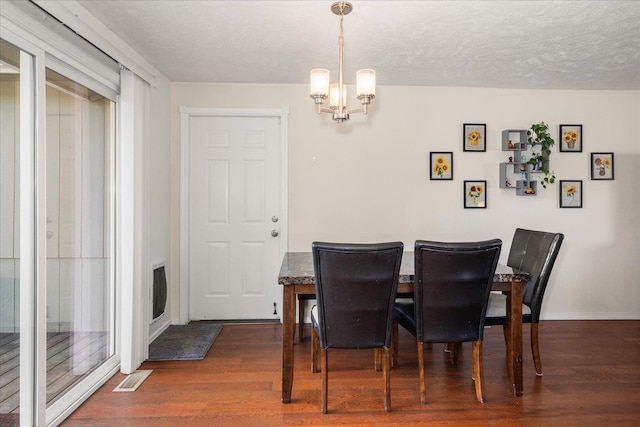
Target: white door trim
(185,114)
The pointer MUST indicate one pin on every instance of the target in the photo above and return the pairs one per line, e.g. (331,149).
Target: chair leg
(477,370)
(386,362)
(315,350)
(454,349)
(535,349)
(325,381)
(394,345)
(423,385)
(301,307)
(377,359)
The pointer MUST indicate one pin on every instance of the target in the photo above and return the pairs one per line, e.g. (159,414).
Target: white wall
(159,167)
(367,179)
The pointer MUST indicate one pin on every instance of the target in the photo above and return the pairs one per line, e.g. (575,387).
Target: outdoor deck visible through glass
(61,348)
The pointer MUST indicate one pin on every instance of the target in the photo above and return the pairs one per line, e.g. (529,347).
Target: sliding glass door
(79,237)
(9,233)
(57,222)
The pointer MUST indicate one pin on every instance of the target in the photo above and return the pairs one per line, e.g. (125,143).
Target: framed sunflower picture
(473,137)
(441,166)
(602,166)
(571,193)
(571,138)
(475,194)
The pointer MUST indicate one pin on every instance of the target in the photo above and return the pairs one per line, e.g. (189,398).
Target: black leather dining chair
(355,287)
(451,290)
(302,304)
(534,252)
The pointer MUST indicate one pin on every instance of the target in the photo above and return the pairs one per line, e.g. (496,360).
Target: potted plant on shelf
(541,143)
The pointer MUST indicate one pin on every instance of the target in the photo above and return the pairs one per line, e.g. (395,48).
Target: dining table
(297,278)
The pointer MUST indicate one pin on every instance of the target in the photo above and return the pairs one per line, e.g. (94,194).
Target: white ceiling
(501,44)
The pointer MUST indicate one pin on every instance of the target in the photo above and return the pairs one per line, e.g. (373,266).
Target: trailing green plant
(540,138)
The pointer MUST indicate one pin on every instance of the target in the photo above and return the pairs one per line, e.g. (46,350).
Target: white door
(234,224)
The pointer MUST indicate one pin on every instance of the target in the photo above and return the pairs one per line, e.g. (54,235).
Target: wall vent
(159,291)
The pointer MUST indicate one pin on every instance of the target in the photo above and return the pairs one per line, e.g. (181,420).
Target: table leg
(509,337)
(514,325)
(288,330)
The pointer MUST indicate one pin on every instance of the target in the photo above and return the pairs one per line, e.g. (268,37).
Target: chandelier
(321,88)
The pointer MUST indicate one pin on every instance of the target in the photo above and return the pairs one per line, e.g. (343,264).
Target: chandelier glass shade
(321,88)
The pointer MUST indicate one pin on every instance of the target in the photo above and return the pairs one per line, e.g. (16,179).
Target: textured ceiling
(501,44)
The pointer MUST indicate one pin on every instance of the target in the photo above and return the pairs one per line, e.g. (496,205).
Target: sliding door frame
(34,60)
(32,397)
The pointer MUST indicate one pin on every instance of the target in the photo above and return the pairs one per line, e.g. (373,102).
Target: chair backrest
(451,291)
(356,286)
(534,252)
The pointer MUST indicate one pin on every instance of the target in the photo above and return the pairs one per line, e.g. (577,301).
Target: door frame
(185,115)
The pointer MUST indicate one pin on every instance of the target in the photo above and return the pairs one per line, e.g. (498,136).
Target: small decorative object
(541,143)
(602,166)
(475,195)
(571,193)
(473,137)
(571,138)
(523,161)
(510,145)
(529,191)
(441,165)
(538,166)
(510,159)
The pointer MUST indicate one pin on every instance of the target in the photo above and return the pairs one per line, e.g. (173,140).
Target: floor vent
(133,381)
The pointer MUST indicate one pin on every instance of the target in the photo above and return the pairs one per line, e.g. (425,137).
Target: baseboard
(244,321)
(59,327)
(163,327)
(594,316)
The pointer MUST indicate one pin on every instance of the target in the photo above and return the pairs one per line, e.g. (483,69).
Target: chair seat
(497,310)
(314,315)
(404,314)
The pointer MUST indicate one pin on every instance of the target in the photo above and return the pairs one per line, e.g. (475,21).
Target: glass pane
(79,257)
(9,234)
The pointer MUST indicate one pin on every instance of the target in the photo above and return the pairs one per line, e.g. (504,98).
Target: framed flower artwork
(571,138)
(441,165)
(475,194)
(571,193)
(473,137)
(602,166)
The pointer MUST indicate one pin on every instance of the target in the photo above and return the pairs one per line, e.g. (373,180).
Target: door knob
(274,218)
(274,233)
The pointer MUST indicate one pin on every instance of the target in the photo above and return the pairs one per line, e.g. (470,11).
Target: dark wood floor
(591,378)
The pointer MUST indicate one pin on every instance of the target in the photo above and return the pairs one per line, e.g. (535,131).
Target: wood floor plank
(591,377)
